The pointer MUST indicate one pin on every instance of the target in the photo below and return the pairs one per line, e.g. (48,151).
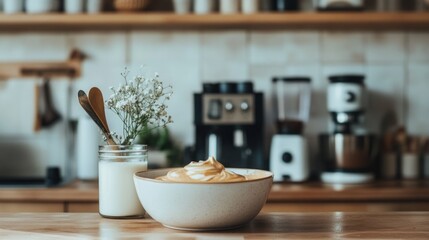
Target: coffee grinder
(289,151)
(346,94)
(348,151)
(229,124)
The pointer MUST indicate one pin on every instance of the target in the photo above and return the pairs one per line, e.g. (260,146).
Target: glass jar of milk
(116,167)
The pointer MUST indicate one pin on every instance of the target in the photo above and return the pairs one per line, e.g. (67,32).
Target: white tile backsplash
(101,47)
(19,119)
(418,46)
(265,50)
(33,47)
(224,56)
(302,47)
(284,47)
(342,47)
(417,100)
(385,47)
(385,85)
(186,59)
(150,47)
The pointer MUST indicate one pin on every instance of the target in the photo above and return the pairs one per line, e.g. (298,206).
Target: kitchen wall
(396,65)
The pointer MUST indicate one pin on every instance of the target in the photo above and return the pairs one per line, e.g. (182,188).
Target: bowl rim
(270,175)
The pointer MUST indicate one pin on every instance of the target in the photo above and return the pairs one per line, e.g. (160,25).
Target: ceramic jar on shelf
(250,6)
(182,6)
(94,6)
(13,6)
(229,6)
(204,6)
(41,6)
(74,6)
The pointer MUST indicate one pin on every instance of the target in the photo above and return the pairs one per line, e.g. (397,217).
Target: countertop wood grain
(337,225)
(284,192)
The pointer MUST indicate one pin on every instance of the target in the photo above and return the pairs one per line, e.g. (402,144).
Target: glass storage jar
(117,194)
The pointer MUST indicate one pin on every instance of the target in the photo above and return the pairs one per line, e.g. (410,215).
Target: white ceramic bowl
(203,206)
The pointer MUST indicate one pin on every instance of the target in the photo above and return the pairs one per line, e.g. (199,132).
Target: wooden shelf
(128,21)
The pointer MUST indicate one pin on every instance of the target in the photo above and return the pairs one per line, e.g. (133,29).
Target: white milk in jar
(117,194)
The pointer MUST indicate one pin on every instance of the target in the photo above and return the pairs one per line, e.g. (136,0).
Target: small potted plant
(163,150)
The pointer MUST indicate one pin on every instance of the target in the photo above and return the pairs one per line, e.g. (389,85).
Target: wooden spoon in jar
(84,102)
(97,103)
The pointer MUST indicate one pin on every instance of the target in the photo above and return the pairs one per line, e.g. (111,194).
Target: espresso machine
(289,151)
(348,151)
(229,125)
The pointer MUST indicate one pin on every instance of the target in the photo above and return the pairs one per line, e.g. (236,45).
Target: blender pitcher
(292,96)
(289,152)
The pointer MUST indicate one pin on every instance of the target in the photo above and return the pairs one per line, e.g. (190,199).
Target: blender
(289,151)
(347,152)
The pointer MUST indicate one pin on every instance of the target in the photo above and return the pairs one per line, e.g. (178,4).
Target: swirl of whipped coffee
(202,171)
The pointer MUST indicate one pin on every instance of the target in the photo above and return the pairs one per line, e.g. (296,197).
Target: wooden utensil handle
(37,121)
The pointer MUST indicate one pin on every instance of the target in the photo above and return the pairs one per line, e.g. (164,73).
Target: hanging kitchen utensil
(37,116)
(50,115)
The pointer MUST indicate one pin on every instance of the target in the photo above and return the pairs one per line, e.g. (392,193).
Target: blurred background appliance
(348,152)
(346,94)
(289,151)
(228,118)
(285,5)
(88,139)
(332,5)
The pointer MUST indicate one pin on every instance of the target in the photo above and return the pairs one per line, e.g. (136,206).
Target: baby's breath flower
(140,104)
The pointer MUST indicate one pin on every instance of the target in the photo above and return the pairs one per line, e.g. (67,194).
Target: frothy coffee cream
(202,171)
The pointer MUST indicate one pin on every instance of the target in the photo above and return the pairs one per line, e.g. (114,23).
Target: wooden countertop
(284,192)
(404,225)
(376,191)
